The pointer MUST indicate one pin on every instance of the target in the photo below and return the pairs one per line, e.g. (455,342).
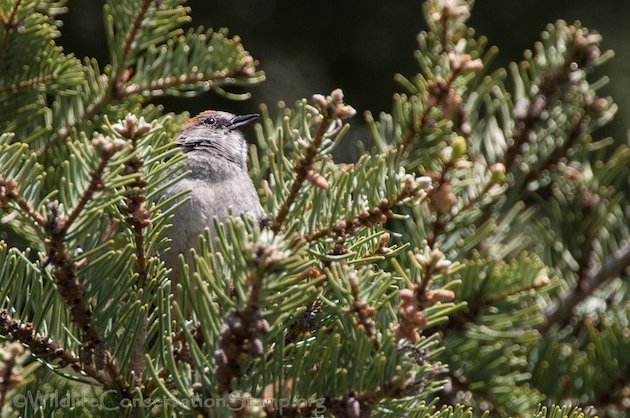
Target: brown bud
(353,408)
(442,265)
(346,111)
(418,319)
(406,295)
(257,347)
(320,101)
(442,199)
(220,358)
(12,381)
(142,128)
(316,179)
(337,96)
(439,295)
(262,326)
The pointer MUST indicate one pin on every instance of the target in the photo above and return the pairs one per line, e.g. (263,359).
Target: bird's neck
(206,163)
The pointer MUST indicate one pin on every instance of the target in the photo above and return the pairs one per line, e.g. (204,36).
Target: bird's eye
(211,121)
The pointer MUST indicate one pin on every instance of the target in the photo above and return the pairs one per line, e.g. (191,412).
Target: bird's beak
(242,121)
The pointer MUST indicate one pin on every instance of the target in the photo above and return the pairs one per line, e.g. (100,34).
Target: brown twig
(9,23)
(136,215)
(96,184)
(440,95)
(471,202)
(427,276)
(113,83)
(364,313)
(41,346)
(367,218)
(169,82)
(301,171)
(612,266)
(73,294)
(65,267)
(241,332)
(27,84)
(9,192)
(354,405)
(138,218)
(131,37)
(439,192)
(576,132)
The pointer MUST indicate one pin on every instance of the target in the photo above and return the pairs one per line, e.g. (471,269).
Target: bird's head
(216,134)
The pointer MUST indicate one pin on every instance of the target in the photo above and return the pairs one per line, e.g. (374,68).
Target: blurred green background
(309,47)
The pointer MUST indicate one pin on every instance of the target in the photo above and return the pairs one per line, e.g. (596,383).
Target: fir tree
(472,259)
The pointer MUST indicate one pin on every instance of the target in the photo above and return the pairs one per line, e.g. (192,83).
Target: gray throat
(206,164)
(213,156)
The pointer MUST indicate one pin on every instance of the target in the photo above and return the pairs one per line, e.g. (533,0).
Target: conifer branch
(45,347)
(131,37)
(96,183)
(373,216)
(537,284)
(475,307)
(9,192)
(354,405)
(528,115)
(138,218)
(26,84)
(113,82)
(301,171)
(169,82)
(9,23)
(136,215)
(612,266)
(73,294)
(413,301)
(439,92)
(440,200)
(65,269)
(474,200)
(576,132)
(365,314)
(242,330)
(331,109)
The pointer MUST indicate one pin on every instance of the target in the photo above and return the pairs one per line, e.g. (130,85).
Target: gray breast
(216,190)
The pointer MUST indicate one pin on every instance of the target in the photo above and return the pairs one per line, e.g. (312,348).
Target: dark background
(308,47)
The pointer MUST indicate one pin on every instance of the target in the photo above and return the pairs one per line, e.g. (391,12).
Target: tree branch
(27,84)
(9,192)
(114,80)
(96,183)
(9,23)
(302,170)
(576,132)
(366,218)
(42,346)
(65,267)
(168,82)
(613,266)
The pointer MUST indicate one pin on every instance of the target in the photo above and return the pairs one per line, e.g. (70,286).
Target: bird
(219,185)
